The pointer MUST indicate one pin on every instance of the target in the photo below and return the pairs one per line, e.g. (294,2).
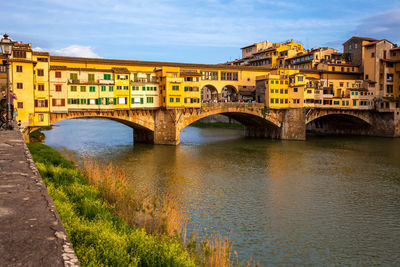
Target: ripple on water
(326,201)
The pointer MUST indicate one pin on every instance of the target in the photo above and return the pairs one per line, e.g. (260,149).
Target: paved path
(31,233)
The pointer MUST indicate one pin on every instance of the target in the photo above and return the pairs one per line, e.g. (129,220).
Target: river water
(325,201)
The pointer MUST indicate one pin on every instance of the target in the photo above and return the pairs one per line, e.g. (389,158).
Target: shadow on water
(326,201)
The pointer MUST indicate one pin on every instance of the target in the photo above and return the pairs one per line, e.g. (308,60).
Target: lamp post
(6,47)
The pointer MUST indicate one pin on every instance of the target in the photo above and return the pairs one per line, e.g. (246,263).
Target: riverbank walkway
(31,233)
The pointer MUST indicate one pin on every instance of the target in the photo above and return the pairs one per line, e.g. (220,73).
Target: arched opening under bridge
(339,124)
(142,131)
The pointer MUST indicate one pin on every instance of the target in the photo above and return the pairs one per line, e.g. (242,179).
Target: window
(175,87)
(333,68)
(83,101)
(177,100)
(122,77)
(19,54)
(111,88)
(20,105)
(171,99)
(40,117)
(83,88)
(366,76)
(58,102)
(40,87)
(126,87)
(355,46)
(92,89)
(389,77)
(19,68)
(372,54)
(122,100)
(119,87)
(349,46)
(389,89)
(39,103)
(73,88)
(295,90)
(354,102)
(229,76)
(73,76)
(150,100)
(58,87)
(20,86)
(40,72)
(103,88)
(42,59)
(272,101)
(107,76)
(91,77)
(137,100)
(209,75)
(58,74)
(300,78)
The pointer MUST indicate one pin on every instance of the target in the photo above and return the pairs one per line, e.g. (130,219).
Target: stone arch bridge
(163,126)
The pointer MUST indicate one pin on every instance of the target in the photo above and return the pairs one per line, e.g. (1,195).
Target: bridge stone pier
(163,126)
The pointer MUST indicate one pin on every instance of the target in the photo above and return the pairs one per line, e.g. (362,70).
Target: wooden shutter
(63,102)
(46,103)
(53,102)
(36,103)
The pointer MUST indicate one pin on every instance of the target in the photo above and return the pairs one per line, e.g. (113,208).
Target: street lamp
(6,47)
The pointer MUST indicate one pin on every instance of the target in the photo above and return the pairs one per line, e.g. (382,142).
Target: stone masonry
(31,231)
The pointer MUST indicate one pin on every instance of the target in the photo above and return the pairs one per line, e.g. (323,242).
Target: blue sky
(206,31)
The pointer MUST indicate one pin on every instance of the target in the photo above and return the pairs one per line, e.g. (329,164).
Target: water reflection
(321,202)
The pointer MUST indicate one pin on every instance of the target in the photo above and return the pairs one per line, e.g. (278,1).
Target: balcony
(101,81)
(94,82)
(174,80)
(145,80)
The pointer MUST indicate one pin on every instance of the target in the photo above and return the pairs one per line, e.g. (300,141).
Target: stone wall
(293,125)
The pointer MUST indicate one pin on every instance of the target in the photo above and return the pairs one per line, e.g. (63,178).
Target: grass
(99,237)
(200,124)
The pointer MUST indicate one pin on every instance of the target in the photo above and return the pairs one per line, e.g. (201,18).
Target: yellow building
(22,80)
(276,55)
(121,90)
(145,92)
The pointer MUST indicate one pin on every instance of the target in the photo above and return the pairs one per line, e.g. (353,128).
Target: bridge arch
(209,93)
(252,116)
(142,121)
(339,122)
(229,93)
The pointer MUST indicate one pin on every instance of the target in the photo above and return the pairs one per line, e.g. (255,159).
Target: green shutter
(141,100)
(107,101)
(115,100)
(69,100)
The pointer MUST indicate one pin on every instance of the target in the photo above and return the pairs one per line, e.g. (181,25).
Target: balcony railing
(81,81)
(145,80)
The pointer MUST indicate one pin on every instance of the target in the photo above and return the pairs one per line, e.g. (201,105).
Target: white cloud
(71,51)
